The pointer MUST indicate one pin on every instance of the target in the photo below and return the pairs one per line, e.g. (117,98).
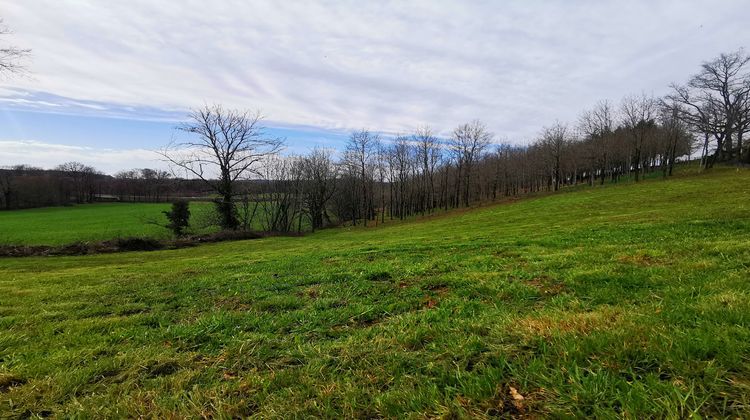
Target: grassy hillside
(88,222)
(621,301)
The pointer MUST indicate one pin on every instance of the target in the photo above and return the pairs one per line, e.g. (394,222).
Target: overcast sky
(110,78)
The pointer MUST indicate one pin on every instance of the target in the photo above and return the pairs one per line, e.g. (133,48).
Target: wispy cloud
(389,66)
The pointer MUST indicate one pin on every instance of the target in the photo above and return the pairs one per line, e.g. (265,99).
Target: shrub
(179,217)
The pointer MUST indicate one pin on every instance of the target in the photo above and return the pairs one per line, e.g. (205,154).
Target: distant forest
(229,159)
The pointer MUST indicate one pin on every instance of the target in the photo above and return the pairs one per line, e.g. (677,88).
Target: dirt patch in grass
(582,323)
(547,285)
(8,381)
(155,368)
(510,401)
(439,289)
(233,303)
(312,293)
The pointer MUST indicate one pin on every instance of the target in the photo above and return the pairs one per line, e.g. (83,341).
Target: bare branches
(11,58)
(716,102)
(467,145)
(222,146)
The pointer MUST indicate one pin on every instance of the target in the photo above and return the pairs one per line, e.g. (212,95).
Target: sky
(109,80)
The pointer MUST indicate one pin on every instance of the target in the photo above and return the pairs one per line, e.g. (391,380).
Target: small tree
(178,216)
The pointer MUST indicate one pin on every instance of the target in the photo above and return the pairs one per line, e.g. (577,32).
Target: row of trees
(228,154)
(25,186)
(419,173)
(375,179)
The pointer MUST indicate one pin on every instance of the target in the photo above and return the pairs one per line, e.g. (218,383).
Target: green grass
(629,301)
(87,222)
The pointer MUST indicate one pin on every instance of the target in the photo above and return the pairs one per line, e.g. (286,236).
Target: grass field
(88,222)
(630,301)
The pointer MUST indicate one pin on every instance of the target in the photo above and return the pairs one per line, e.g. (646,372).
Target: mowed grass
(623,301)
(87,222)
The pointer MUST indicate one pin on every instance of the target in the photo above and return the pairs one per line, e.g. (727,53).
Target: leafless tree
(637,117)
(467,145)
(715,102)
(400,158)
(11,58)
(81,176)
(428,154)
(359,156)
(320,176)
(554,140)
(223,146)
(598,125)
(280,195)
(673,135)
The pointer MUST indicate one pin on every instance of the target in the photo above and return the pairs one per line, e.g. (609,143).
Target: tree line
(26,186)
(377,178)
(228,154)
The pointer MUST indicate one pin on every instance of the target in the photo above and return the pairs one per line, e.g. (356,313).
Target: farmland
(630,300)
(87,222)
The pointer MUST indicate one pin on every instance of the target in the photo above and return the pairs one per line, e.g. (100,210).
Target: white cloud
(48,155)
(388,66)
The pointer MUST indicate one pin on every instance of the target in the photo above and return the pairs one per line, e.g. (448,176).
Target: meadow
(616,301)
(88,222)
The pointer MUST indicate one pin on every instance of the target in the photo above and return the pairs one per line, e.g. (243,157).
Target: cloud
(49,155)
(387,66)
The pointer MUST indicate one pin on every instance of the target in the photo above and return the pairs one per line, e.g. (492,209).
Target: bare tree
(715,103)
(428,155)
(81,176)
(224,146)
(467,145)
(11,58)
(637,118)
(280,195)
(598,125)
(554,140)
(673,134)
(400,160)
(359,156)
(320,177)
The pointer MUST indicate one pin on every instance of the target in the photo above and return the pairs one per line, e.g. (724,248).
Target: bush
(179,217)
(139,244)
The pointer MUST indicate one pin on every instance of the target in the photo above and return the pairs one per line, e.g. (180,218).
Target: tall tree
(554,140)
(598,125)
(428,155)
(637,117)
(320,177)
(223,146)
(715,102)
(360,155)
(467,144)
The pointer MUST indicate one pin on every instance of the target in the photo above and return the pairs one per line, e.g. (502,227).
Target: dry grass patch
(643,259)
(582,323)
(547,285)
